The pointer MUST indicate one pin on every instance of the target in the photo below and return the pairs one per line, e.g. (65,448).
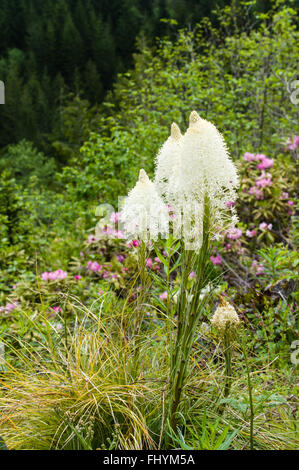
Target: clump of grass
(79,396)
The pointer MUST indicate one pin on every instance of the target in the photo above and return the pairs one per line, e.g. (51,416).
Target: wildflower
(293,144)
(225,315)
(264,180)
(265,226)
(149,263)
(260,156)
(11,306)
(91,239)
(94,266)
(216,260)
(167,161)
(265,163)
(54,275)
(114,218)
(57,309)
(256,192)
(250,233)
(249,157)
(163,296)
(144,214)
(204,169)
(257,267)
(234,233)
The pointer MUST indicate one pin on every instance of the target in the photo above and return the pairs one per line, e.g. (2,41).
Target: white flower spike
(144,215)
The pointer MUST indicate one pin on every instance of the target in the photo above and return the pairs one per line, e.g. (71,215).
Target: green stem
(249,393)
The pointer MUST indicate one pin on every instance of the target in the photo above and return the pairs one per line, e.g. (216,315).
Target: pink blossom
(216,260)
(91,239)
(149,263)
(163,296)
(234,233)
(249,157)
(9,307)
(260,156)
(264,226)
(266,163)
(264,180)
(293,144)
(57,309)
(120,258)
(54,275)
(94,266)
(250,233)
(77,277)
(115,217)
(230,204)
(256,191)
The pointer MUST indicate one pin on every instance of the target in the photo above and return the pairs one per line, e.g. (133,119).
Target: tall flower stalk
(196,179)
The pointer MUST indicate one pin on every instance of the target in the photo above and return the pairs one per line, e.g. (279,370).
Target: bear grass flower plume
(144,215)
(225,316)
(168,161)
(192,168)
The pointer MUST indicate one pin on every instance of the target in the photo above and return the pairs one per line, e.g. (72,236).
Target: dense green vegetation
(72,142)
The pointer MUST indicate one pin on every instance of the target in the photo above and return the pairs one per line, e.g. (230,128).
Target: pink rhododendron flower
(94,266)
(264,226)
(54,275)
(149,262)
(250,233)
(92,239)
(260,156)
(264,180)
(293,144)
(163,296)
(114,217)
(249,157)
(234,233)
(216,260)
(265,163)
(256,192)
